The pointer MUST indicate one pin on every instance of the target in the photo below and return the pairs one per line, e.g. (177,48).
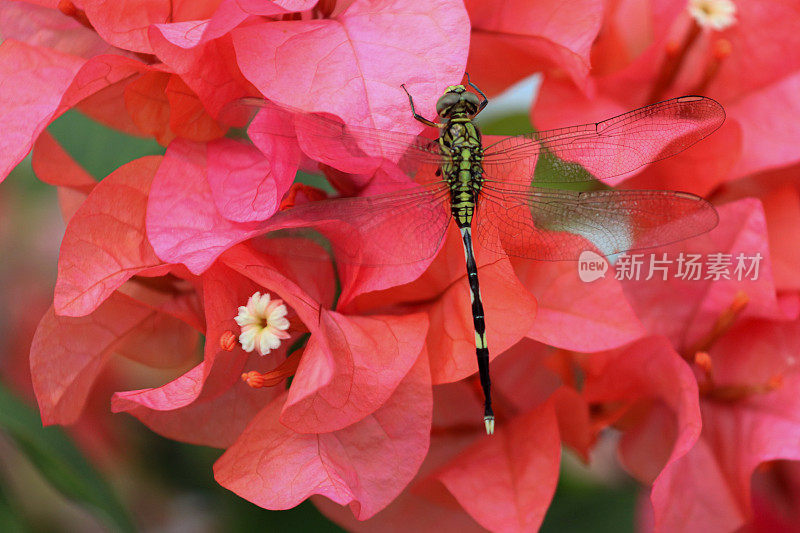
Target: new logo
(591,266)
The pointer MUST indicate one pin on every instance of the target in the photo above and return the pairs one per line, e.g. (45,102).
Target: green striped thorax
(460,141)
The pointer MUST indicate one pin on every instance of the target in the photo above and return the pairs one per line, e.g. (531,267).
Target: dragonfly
(499,192)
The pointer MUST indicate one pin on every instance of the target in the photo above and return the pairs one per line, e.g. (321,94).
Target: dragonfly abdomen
(462,205)
(460,142)
(481,348)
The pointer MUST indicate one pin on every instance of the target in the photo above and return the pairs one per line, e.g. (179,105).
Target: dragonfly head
(457,100)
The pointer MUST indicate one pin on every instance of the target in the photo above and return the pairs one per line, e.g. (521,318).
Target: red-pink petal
(426,500)
(709,488)
(161,341)
(204,68)
(53,165)
(40,84)
(248,184)
(365,465)
(530,36)
(68,353)
(758,26)
(223,292)
(329,65)
(212,419)
(506,481)
(228,15)
(48,27)
(649,374)
(768,117)
(124,23)
(34,81)
(299,283)
(577,315)
(351,365)
(183,223)
(686,310)
(105,242)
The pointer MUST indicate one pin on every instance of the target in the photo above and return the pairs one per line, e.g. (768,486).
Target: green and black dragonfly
(499,192)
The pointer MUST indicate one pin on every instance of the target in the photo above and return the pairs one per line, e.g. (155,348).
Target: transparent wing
(549,224)
(397,228)
(605,149)
(353,149)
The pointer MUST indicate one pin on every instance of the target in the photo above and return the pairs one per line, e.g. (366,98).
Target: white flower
(715,14)
(263,323)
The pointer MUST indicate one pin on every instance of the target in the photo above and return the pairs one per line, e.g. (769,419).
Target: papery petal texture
(326,65)
(367,357)
(34,80)
(506,481)
(709,488)
(530,37)
(105,242)
(365,465)
(649,374)
(68,354)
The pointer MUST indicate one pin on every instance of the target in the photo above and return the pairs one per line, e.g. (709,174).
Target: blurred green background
(78,479)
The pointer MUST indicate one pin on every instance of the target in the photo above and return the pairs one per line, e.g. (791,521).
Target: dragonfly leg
(414,111)
(485,100)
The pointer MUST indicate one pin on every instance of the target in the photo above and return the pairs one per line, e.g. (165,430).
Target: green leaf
(11,521)
(59,461)
(514,124)
(99,149)
(581,504)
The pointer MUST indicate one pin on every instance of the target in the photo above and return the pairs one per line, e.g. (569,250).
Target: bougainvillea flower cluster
(175,261)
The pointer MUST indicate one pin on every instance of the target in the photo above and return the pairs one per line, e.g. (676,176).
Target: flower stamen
(286,369)
(721,326)
(707,385)
(227,341)
(722,48)
(706,14)
(69,9)
(675,55)
(732,393)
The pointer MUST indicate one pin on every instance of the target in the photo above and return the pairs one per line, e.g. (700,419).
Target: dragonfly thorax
(460,143)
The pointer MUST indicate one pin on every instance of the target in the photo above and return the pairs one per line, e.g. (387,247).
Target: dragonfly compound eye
(447,101)
(472,98)
(472,101)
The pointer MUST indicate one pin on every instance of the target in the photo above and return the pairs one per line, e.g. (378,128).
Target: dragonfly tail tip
(488,421)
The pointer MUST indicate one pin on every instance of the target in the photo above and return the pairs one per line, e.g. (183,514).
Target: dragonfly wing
(398,228)
(605,149)
(550,224)
(324,138)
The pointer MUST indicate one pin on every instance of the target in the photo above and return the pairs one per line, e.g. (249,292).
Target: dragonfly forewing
(606,149)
